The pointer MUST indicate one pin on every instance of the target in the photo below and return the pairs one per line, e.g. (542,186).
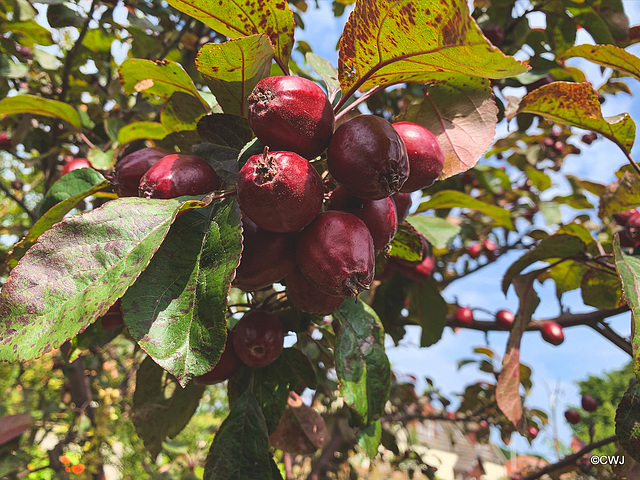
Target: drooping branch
(570,459)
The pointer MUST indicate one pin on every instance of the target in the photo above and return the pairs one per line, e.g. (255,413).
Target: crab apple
(464,316)
(533,432)
(75,164)
(280,191)
(622,218)
(589,403)
(426,159)
(131,168)
(489,246)
(336,254)
(308,298)
(228,364)
(402,202)
(552,333)
(112,320)
(258,338)
(176,175)
(378,215)
(368,157)
(504,319)
(267,257)
(572,416)
(494,33)
(474,250)
(291,113)
(418,272)
(5,141)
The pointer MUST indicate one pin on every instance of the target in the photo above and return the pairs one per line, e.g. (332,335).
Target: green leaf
(162,78)
(327,72)
(141,130)
(406,244)
(601,289)
(176,308)
(389,41)
(508,386)
(628,421)
(556,246)
(568,275)
(453,199)
(628,267)
(369,438)
(607,56)
(225,129)
(232,69)
(60,16)
(51,217)
(577,104)
(102,160)
(428,309)
(223,160)
(76,182)
(621,195)
(240,449)
(181,112)
(592,21)
(77,270)
(362,366)
(158,412)
(41,106)
(10,69)
(436,230)
(462,114)
(31,33)
(243,19)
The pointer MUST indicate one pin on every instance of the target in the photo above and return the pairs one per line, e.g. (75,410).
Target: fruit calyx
(266,170)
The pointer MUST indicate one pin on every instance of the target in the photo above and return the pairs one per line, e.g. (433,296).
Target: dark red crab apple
(280,191)
(464,316)
(572,416)
(308,298)
(228,364)
(426,159)
(368,157)
(176,175)
(552,333)
(258,338)
(474,250)
(402,202)
(378,215)
(335,253)
(291,113)
(75,164)
(131,168)
(504,319)
(589,403)
(267,257)
(533,432)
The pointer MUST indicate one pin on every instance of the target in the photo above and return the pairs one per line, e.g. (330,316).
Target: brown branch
(610,334)
(570,459)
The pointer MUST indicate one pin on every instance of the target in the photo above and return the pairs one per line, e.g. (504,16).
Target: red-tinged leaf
(12,426)
(576,104)
(233,68)
(392,41)
(77,270)
(607,56)
(628,267)
(242,19)
(508,387)
(462,116)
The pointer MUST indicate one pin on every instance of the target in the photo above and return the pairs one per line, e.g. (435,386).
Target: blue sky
(584,352)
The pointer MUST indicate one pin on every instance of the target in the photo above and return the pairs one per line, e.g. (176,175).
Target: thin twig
(360,99)
(610,334)
(8,193)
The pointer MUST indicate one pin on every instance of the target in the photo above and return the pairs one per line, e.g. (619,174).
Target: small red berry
(504,319)
(76,164)
(489,246)
(464,316)
(280,191)
(552,333)
(258,338)
(474,250)
(176,175)
(5,141)
(228,364)
(533,432)
(572,416)
(589,403)
(418,272)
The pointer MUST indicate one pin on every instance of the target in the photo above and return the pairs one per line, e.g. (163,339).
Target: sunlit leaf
(607,56)
(141,130)
(453,199)
(41,106)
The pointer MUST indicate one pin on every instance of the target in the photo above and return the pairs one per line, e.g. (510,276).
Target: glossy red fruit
(335,253)
(464,316)
(258,338)
(572,416)
(280,191)
(489,246)
(291,113)
(378,215)
(368,157)
(308,298)
(112,320)
(403,204)
(622,218)
(5,141)
(227,365)
(176,175)
(504,319)
(533,432)
(552,333)
(76,164)
(474,250)
(131,168)
(589,403)
(267,257)
(426,159)
(418,272)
